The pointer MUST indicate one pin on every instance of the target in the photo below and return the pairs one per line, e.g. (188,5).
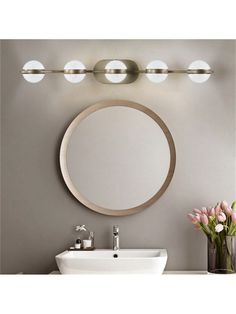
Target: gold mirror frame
(63,152)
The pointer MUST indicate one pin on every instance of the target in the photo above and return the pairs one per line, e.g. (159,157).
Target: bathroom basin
(124,261)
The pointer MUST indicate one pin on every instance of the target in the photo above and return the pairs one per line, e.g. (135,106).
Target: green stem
(233,231)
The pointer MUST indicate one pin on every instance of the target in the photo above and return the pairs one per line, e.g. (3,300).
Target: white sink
(127,261)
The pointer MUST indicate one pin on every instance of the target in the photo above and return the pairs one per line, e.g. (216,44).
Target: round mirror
(117,157)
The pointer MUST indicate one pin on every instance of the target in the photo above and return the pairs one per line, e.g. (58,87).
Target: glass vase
(222,255)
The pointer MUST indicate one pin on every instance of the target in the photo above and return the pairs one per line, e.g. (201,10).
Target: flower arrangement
(216,221)
(219,225)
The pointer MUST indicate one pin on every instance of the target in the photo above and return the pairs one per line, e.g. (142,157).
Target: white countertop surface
(167,272)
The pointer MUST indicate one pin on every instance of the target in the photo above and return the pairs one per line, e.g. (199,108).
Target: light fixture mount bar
(45,71)
(117,71)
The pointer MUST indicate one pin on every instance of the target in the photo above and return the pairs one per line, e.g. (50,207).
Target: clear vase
(222,255)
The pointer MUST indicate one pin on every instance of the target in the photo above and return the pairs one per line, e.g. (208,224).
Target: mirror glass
(117,157)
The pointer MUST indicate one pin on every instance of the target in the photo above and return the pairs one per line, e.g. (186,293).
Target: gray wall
(0,161)
(38,212)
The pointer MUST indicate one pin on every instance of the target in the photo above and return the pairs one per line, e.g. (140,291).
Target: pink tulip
(197,217)
(212,212)
(221,217)
(193,218)
(204,210)
(197,211)
(208,211)
(204,219)
(224,205)
(233,217)
(218,209)
(228,211)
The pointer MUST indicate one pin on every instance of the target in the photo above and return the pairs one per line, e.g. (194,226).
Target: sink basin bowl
(127,261)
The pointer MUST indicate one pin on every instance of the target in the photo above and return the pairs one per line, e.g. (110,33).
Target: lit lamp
(116,71)
(115,77)
(33,76)
(122,71)
(199,66)
(156,71)
(71,74)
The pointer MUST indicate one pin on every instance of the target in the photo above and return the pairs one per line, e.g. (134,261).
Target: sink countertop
(167,272)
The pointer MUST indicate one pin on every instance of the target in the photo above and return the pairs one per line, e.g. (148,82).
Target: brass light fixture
(118,71)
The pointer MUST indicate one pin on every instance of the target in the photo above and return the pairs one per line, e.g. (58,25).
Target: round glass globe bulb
(199,78)
(115,64)
(157,77)
(33,65)
(74,65)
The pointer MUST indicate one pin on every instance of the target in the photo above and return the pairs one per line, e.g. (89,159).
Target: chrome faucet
(116,239)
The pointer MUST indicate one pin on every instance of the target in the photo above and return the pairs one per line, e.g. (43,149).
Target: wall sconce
(120,71)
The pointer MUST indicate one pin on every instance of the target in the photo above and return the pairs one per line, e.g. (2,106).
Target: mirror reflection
(117,157)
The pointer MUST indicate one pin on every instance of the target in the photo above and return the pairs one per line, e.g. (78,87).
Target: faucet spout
(116,238)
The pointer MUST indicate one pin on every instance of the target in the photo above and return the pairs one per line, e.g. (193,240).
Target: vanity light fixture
(153,75)
(30,74)
(121,71)
(116,77)
(117,71)
(74,77)
(199,77)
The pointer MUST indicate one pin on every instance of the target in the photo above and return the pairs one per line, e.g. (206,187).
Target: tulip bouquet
(216,221)
(219,225)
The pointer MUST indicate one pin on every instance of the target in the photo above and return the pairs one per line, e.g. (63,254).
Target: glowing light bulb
(199,78)
(116,64)
(33,65)
(74,65)
(157,77)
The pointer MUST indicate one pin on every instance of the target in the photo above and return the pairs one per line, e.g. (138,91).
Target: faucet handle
(115,229)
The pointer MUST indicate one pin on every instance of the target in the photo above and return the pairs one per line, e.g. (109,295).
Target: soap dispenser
(78,244)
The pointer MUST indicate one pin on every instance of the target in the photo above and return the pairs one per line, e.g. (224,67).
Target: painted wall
(38,212)
(0,160)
